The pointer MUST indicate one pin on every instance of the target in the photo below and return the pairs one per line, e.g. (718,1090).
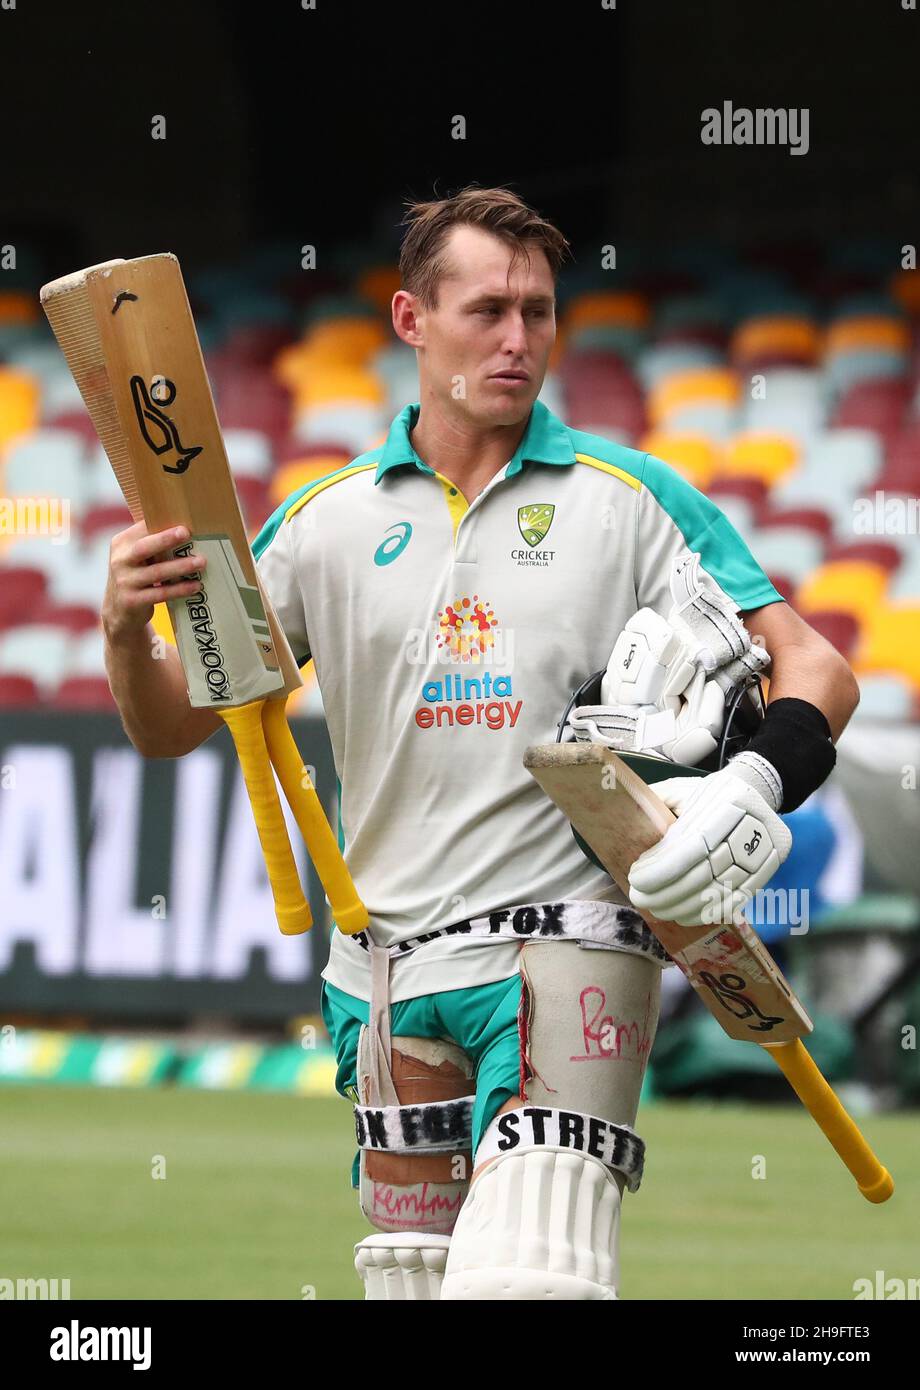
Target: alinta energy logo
(468,634)
(534,520)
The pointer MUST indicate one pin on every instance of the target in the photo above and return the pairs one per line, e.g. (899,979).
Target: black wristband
(796,738)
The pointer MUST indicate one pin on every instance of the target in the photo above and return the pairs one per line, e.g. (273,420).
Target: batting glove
(726,844)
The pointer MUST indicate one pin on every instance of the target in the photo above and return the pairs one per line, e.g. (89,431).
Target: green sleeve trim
(706,529)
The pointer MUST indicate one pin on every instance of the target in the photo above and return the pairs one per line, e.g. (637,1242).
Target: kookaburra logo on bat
(159,431)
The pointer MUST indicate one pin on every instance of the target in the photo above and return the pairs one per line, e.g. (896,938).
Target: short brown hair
(496,210)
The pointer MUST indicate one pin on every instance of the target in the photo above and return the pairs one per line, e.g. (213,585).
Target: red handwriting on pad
(603,1036)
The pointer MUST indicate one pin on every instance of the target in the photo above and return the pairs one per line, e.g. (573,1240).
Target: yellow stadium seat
(607,307)
(867,331)
(300,471)
(347,340)
(777,334)
(770,457)
(904,286)
(847,586)
(20,397)
(379,285)
(335,343)
(18,307)
(890,642)
(338,383)
(694,456)
(691,388)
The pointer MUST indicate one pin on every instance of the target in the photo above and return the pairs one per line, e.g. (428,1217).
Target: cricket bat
(127,333)
(620,817)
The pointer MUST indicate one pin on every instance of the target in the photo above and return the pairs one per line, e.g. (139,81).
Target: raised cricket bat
(620,817)
(126,330)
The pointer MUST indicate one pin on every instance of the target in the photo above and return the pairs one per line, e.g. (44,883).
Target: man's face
(487,343)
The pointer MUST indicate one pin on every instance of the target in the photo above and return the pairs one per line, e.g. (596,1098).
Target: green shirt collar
(546,440)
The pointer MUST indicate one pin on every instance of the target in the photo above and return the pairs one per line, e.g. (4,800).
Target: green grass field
(256,1201)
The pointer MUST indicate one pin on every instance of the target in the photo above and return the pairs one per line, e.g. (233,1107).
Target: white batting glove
(725,845)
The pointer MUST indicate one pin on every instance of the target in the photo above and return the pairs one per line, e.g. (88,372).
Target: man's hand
(725,845)
(141,575)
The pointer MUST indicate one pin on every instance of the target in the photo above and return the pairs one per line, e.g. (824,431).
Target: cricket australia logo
(160,432)
(534,521)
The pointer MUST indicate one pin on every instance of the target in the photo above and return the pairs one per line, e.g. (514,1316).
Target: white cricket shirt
(447,637)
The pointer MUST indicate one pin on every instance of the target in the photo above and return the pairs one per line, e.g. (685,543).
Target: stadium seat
(890,642)
(101,487)
(396,367)
(607,307)
(783,583)
(44,361)
(846,369)
(82,579)
(357,424)
(795,550)
(255,500)
(107,519)
(885,697)
(297,474)
(742,499)
(870,404)
(379,284)
(22,589)
(37,651)
(661,360)
(708,386)
(47,464)
(906,583)
(82,692)
(849,586)
(40,553)
(18,692)
(73,618)
(861,331)
(769,457)
(694,457)
(881,553)
(87,653)
(791,404)
(775,338)
(813,519)
(840,629)
(19,403)
(844,458)
(249,453)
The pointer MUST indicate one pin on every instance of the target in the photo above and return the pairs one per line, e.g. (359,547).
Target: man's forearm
(151,695)
(818,674)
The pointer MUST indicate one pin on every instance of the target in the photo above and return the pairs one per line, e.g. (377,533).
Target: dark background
(315,125)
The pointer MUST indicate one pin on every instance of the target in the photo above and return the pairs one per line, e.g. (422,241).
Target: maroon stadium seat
(83,692)
(18,692)
(22,589)
(75,618)
(254,500)
(108,517)
(783,584)
(840,629)
(750,490)
(807,518)
(876,552)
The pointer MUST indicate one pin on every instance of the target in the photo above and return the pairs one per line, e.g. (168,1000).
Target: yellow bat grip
(347,908)
(874,1181)
(291,907)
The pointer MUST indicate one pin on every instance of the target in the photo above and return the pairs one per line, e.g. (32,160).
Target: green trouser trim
(482,1019)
